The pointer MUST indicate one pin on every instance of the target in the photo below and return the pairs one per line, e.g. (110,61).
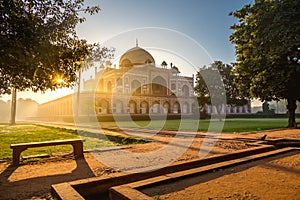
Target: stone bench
(77,145)
(296,124)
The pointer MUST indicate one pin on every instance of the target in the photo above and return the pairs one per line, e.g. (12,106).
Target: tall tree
(39,44)
(267,43)
(216,81)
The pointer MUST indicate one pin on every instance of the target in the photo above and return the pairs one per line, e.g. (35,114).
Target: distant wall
(25,108)
(255,115)
(4,111)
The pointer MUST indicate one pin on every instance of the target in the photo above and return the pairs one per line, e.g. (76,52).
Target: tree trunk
(291,111)
(78,95)
(219,110)
(13,107)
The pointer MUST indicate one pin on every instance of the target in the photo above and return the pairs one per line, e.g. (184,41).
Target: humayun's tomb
(137,86)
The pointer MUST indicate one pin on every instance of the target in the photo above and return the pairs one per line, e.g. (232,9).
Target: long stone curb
(91,186)
(127,191)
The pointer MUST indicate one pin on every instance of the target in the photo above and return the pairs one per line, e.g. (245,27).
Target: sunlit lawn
(229,125)
(32,133)
(250,125)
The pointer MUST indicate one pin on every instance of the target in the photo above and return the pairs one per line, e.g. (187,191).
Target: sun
(59,80)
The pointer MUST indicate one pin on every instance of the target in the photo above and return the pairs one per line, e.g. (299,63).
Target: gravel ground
(33,179)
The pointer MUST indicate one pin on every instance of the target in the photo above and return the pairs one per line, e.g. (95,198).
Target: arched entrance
(155,107)
(103,107)
(159,86)
(135,87)
(185,108)
(166,108)
(118,107)
(144,107)
(132,107)
(176,108)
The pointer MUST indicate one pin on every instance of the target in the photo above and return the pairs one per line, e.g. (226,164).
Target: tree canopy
(267,43)
(39,43)
(216,81)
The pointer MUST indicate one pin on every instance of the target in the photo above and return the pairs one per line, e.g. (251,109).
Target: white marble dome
(136,56)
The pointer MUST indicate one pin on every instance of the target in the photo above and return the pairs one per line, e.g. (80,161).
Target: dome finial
(136,42)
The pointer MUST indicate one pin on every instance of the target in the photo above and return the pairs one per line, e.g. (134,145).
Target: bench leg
(78,149)
(16,156)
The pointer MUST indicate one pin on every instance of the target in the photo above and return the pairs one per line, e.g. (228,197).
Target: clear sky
(205,22)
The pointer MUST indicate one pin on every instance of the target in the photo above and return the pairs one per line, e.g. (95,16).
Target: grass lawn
(250,125)
(33,133)
(230,125)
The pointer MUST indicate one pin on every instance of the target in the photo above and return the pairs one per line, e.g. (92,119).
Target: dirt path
(33,180)
(273,178)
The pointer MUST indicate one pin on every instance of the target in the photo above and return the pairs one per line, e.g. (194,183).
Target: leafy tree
(201,88)
(267,44)
(216,81)
(39,44)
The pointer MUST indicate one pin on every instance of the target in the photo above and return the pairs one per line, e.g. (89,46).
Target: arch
(118,106)
(166,107)
(185,91)
(144,107)
(176,108)
(155,108)
(159,86)
(185,108)
(103,106)
(136,87)
(132,107)
(159,80)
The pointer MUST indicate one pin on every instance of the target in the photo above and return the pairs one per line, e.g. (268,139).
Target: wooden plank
(53,142)
(77,145)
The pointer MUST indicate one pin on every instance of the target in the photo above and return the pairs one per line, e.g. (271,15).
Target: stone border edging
(90,186)
(128,191)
